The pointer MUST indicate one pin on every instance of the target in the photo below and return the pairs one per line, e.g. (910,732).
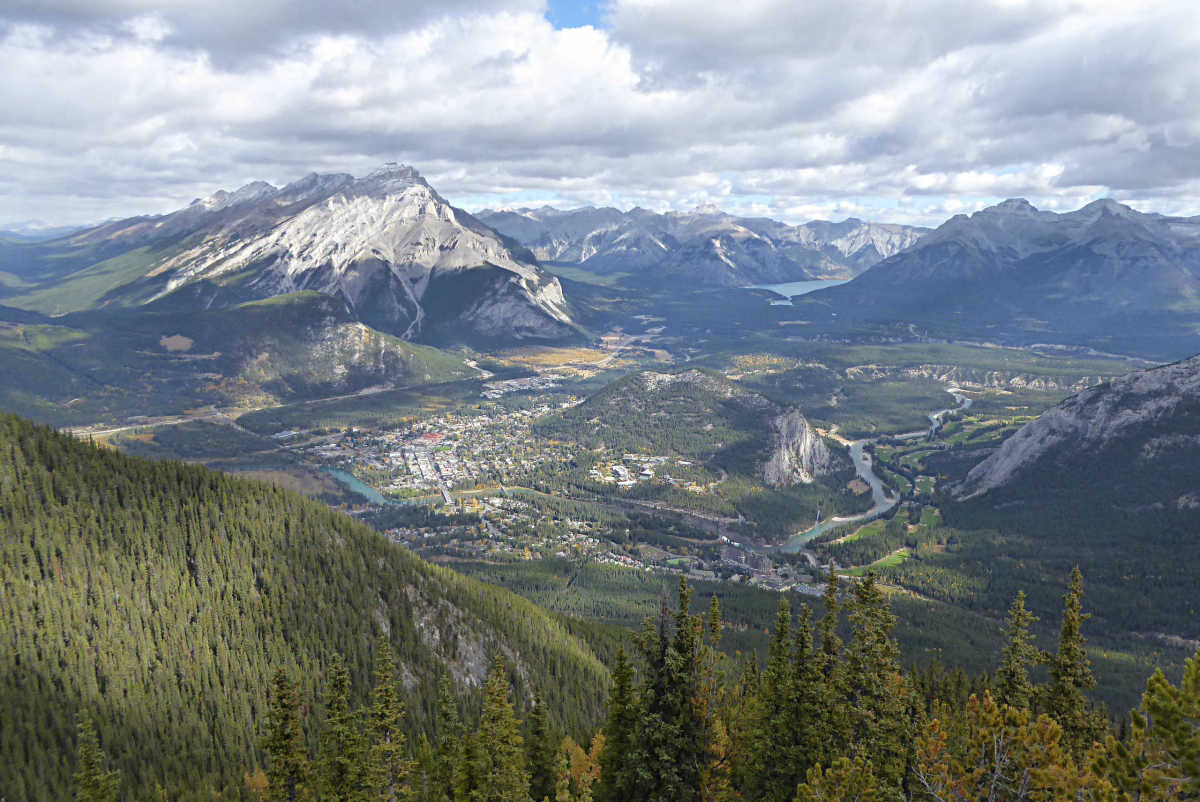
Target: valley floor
(465,476)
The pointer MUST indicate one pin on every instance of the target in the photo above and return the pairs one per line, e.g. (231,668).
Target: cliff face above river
(799,454)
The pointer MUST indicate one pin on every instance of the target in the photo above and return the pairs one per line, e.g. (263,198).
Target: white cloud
(881,110)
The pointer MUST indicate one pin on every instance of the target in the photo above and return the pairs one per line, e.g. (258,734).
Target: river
(882,501)
(936,419)
(369,493)
(880,494)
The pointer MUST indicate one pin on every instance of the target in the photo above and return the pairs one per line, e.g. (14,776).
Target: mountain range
(1105,275)
(705,246)
(401,258)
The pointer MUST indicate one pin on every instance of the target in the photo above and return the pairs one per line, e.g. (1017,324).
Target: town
(469,468)
(462,450)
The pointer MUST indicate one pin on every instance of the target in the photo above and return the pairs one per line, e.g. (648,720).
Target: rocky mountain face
(403,259)
(1104,275)
(1144,424)
(706,245)
(799,455)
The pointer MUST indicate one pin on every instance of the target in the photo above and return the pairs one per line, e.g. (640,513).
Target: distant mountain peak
(1017,205)
(394,171)
(390,179)
(1093,275)
(1108,206)
(254,191)
(706,245)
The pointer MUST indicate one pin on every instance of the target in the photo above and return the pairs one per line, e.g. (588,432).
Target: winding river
(882,497)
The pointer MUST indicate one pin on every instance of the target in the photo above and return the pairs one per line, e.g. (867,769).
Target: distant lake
(790,289)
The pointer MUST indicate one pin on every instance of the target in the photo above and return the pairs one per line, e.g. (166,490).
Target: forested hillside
(828,718)
(169,632)
(159,599)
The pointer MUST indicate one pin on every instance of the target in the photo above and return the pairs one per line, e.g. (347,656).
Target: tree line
(822,720)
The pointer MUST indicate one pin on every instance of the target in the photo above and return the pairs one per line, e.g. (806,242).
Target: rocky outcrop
(974,378)
(1139,419)
(799,455)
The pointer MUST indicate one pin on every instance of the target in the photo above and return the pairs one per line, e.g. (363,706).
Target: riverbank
(883,497)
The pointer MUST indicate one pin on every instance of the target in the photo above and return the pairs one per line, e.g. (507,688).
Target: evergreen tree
(468,781)
(1159,758)
(876,696)
(287,759)
(93,783)
(829,645)
(712,709)
(451,763)
(499,770)
(615,758)
(1064,698)
(845,780)
(671,746)
(1013,687)
(807,699)
(386,765)
(833,733)
(768,773)
(542,755)
(421,778)
(340,761)
(693,733)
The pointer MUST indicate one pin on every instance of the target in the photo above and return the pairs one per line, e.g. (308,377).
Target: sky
(905,111)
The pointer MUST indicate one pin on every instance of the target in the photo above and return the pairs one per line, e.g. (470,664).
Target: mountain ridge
(705,244)
(1140,418)
(381,243)
(159,598)
(1104,275)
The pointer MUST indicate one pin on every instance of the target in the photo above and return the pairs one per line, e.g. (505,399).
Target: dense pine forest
(174,633)
(158,600)
(823,720)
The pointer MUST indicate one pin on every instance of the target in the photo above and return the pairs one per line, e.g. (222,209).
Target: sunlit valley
(713,485)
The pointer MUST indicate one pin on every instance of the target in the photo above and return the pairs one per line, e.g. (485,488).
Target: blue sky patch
(577,13)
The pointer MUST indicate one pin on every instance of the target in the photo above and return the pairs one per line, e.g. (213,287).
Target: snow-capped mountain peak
(382,243)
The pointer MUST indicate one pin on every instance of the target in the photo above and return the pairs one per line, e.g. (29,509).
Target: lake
(789,289)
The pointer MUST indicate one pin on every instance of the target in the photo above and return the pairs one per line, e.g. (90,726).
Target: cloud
(907,112)
(238,32)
